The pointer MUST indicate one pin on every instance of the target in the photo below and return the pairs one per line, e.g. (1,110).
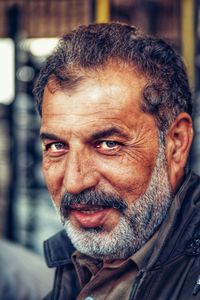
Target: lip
(90,216)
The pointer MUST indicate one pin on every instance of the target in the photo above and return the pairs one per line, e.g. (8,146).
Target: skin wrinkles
(128,153)
(86,162)
(136,141)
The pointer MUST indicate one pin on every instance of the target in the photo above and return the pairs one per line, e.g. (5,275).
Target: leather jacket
(173,270)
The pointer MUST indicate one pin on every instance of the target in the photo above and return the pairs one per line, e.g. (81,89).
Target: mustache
(97,198)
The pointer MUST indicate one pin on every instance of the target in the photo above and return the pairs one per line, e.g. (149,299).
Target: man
(116,132)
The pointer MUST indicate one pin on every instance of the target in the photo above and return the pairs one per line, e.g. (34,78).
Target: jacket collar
(58,250)
(179,228)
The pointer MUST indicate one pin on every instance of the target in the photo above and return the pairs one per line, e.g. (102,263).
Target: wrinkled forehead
(111,107)
(110,86)
(73,78)
(109,99)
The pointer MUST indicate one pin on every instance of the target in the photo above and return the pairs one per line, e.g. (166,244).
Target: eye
(108,146)
(56,148)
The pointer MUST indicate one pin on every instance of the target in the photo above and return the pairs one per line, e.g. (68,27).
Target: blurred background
(29,30)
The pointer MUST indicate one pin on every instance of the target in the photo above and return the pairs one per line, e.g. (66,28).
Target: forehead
(113,86)
(110,93)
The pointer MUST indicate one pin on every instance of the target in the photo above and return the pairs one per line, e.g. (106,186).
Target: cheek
(130,181)
(53,176)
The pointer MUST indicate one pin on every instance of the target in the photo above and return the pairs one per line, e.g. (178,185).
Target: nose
(80,173)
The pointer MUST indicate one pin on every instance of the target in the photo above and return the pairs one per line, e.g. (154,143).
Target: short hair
(167,92)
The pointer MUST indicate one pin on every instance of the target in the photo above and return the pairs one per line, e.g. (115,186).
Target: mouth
(87,208)
(89,216)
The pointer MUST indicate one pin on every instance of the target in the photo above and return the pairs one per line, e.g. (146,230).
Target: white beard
(136,225)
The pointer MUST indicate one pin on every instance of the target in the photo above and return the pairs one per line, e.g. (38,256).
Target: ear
(178,143)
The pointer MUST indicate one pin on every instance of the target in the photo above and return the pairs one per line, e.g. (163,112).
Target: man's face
(103,163)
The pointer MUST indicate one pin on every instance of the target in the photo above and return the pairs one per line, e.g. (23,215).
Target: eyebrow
(48,136)
(107,133)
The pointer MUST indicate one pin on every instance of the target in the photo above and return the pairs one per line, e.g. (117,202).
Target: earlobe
(178,143)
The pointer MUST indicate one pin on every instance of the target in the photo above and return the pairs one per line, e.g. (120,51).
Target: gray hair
(167,92)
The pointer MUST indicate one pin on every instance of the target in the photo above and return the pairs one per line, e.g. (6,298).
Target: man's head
(116,132)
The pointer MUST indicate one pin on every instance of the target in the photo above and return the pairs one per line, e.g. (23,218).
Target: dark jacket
(173,270)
